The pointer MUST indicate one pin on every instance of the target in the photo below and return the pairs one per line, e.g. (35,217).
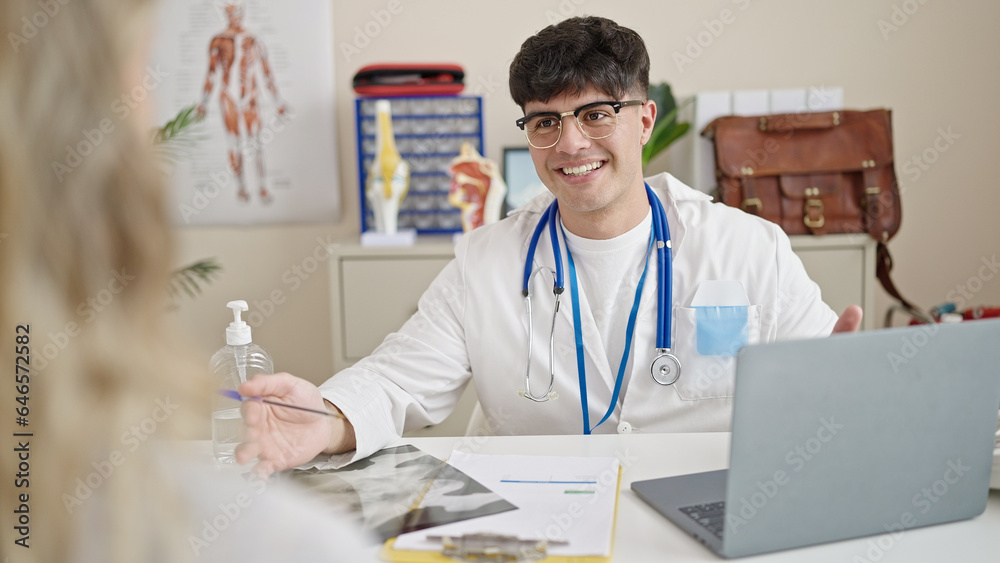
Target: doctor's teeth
(582,169)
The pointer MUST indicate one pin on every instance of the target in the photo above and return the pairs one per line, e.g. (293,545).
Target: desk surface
(643,535)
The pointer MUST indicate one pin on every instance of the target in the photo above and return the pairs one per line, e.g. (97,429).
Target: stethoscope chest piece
(666,368)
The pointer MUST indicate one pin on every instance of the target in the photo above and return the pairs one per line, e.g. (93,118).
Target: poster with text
(245,92)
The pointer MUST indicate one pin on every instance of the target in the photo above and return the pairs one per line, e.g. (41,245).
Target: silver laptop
(847,436)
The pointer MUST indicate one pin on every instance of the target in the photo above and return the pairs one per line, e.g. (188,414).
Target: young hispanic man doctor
(626,258)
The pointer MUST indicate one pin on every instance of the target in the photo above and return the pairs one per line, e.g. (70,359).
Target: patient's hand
(282,438)
(850,320)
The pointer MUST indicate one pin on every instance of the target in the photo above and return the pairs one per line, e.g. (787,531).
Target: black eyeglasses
(597,120)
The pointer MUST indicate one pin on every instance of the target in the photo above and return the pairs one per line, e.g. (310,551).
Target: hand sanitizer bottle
(234,363)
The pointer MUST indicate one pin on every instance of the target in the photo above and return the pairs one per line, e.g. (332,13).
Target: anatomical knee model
(389,174)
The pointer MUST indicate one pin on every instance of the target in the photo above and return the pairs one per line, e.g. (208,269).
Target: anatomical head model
(476,188)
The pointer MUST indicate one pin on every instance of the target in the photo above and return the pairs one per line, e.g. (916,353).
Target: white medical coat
(471,326)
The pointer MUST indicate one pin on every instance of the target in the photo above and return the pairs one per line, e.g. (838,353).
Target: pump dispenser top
(238,331)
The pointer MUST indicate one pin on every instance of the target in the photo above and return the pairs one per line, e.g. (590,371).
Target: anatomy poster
(257,144)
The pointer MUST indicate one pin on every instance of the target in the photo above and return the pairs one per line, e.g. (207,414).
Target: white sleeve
(800,307)
(415,377)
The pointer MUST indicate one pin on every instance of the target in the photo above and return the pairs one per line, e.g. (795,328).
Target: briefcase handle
(799,121)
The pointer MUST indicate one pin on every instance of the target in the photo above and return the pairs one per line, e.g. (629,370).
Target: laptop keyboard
(711,516)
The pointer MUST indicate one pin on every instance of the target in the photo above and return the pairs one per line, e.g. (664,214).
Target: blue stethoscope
(665,368)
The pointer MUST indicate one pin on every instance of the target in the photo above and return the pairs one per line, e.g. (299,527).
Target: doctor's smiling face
(598,182)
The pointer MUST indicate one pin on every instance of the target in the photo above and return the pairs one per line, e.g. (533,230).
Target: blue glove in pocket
(721,331)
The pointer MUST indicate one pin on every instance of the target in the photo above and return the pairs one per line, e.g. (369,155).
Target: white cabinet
(373,291)
(844,268)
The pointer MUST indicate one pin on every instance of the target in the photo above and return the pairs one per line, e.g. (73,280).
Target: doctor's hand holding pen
(280,437)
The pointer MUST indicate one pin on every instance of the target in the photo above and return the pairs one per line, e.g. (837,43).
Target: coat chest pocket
(706,340)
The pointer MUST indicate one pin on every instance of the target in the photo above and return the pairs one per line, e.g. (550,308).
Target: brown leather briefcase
(813,173)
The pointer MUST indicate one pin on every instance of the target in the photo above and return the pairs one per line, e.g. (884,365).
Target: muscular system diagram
(238,64)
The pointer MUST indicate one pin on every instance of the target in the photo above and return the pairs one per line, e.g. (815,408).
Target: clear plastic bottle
(234,363)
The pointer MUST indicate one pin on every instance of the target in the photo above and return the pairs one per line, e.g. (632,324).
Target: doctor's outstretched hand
(281,438)
(850,320)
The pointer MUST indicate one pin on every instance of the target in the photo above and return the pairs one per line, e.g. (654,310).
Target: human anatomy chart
(259,77)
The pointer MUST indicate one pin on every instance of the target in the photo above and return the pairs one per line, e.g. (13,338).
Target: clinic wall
(936,67)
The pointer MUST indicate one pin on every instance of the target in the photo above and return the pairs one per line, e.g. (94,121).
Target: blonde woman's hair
(85,250)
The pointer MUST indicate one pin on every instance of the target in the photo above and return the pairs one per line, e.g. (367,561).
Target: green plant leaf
(189,278)
(665,102)
(668,120)
(666,128)
(666,136)
(185,118)
(173,141)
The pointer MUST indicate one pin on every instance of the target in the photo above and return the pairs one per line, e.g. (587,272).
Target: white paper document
(570,499)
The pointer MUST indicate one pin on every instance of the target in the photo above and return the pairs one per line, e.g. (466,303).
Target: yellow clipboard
(389,553)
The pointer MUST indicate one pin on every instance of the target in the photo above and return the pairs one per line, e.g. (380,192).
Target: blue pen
(233,394)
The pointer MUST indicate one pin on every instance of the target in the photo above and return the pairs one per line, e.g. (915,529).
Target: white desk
(642,535)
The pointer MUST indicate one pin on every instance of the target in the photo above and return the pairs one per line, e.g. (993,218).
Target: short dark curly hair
(577,54)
